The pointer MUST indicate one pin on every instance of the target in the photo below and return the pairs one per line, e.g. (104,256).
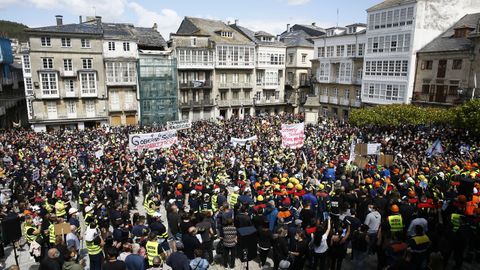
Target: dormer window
(330,33)
(462,32)
(352,30)
(267,39)
(226,34)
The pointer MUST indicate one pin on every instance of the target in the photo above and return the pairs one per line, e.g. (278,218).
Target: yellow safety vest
(152,251)
(92,248)
(150,211)
(146,199)
(28,237)
(60,209)
(233,199)
(214,203)
(86,217)
(48,207)
(51,234)
(396,223)
(455,219)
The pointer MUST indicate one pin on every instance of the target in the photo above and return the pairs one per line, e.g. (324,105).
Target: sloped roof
(149,37)
(390,3)
(447,42)
(298,38)
(76,28)
(118,30)
(311,30)
(212,28)
(255,36)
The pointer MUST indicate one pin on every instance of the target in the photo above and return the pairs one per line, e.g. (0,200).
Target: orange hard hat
(368,180)
(426,169)
(179,186)
(377,184)
(275,179)
(411,193)
(394,208)
(462,198)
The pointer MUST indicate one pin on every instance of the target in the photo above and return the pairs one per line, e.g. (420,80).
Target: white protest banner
(179,125)
(99,153)
(293,135)
(36,175)
(242,142)
(165,139)
(352,152)
(373,148)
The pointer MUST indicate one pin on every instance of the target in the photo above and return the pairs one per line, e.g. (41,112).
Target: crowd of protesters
(311,208)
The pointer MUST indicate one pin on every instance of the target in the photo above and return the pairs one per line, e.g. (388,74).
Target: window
(126,46)
(129,99)
(226,34)
(235,78)
(335,92)
(87,63)
(223,78)
(361,48)
(324,72)
(26,63)
(330,50)
(118,72)
(290,58)
(69,86)
(90,107)
(111,46)
(340,50)
(321,52)
(47,63)
(67,65)
(194,41)
(51,107)
(71,107)
(85,43)
(453,88)
(45,41)
(66,42)
(351,50)
(88,83)
(425,88)
(114,100)
(304,57)
(457,64)
(48,82)
(347,93)
(29,86)
(235,94)
(427,64)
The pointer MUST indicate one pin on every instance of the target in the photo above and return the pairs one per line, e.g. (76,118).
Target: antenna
(94,11)
(337,16)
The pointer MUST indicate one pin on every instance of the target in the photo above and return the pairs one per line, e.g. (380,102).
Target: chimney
(98,19)
(155,26)
(59,20)
(236,21)
(288,27)
(228,22)
(80,19)
(314,24)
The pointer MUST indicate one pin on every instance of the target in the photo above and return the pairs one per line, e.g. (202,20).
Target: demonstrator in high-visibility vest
(153,248)
(395,220)
(94,243)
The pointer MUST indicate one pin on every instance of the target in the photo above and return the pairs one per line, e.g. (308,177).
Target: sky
(267,15)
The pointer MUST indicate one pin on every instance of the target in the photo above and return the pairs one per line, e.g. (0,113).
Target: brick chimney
(59,19)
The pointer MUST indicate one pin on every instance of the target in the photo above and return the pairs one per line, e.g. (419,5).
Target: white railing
(323,99)
(333,100)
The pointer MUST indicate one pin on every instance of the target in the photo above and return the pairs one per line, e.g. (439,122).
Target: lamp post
(253,102)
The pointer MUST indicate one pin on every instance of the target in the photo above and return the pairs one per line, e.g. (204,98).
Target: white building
(269,91)
(338,68)
(396,30)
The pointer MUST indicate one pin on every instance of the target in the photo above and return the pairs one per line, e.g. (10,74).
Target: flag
(435,148)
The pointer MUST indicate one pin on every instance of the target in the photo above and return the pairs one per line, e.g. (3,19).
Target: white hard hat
(157,214)
(193,192)
(88,209)
(73,210)
(236,189)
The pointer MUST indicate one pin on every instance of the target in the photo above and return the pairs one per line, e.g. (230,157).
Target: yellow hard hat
(259,198)
(289,185)
(292,179)
(277,186)
(283,180)
(267,184)
(322,186)
(299,187)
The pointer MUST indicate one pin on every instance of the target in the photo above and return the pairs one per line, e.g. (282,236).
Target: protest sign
(293,135)
(99,153)
(242,142)
(360,162)
(385,160)
(165,139)
(361,149)
(179,125)
(62,228)
(373,148)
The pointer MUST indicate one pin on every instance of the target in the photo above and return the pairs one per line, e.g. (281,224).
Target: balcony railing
(344,101)
(333,100)
(234,102)
(68,73)
(71,94)
(206,64)
(125,107)
(268,101)
(235,85)
(61,116)
(196,84)
(356,103)
(196,103)
(6,81)
(323,99)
